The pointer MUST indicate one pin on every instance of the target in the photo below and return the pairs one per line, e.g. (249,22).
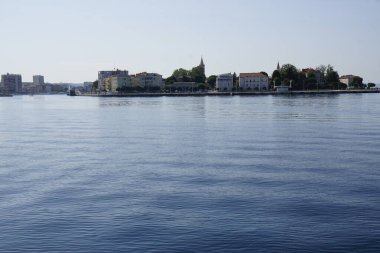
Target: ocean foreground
(190,174)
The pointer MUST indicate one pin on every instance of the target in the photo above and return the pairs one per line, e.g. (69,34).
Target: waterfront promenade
(201,94)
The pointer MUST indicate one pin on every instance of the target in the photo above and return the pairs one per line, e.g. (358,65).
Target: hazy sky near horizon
(70,40)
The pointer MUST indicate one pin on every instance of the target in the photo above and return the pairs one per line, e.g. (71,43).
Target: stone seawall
(202,94)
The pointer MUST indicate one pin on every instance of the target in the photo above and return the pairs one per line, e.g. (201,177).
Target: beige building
(347,79)
(253,82)
(148,80)
(102,77)
(118,79)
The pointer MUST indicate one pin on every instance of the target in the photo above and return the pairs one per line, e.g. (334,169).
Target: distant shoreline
(211,94)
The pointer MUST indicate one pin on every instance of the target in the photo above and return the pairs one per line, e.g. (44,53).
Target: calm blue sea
(190,174)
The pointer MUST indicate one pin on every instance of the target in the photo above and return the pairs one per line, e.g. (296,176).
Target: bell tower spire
(202,66)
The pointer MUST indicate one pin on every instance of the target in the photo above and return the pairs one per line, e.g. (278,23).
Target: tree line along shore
(285,78)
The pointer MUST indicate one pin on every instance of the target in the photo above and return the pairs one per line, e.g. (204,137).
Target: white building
(38,80)
(148,80)
(224,82)
(11,83)
(347,79)
(253,82)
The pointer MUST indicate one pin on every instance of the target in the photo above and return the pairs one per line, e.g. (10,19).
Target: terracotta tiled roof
(244,75)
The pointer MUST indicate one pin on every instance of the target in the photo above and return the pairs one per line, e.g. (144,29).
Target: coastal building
(11,83)
(28,87)
(111,80)
(224,82)
(347,79)
(38,80)
(48,88)
(87,86)
(118,79)
(253,81)
(102,76)
(148,80)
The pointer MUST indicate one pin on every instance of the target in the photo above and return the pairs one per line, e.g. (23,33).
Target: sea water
(190,174)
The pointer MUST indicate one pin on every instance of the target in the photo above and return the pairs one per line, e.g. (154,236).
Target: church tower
(202,65)
(278,66)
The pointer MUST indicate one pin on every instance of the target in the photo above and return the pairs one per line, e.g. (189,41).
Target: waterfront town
(284,78)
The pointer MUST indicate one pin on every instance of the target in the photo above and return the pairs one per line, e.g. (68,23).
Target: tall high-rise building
(11,83)
(38,80)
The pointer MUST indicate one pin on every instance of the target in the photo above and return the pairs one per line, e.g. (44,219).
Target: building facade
(87,86)
(347,79)
(148,80)
(118,79)
(102,76)
(253,82)
(38,80)
(11,83)
(225,82)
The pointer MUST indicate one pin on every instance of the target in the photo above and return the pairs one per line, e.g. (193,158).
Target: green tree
(170,80)
(310,83)
(371,85)
(181,75)
(302,80)
(211,81)
(235,81)
(290,72)
(95,85)
(276,74)
(357,82)
(201,86)
(332,76)
(290,76)
(322,69)
(197,74)
(277,81)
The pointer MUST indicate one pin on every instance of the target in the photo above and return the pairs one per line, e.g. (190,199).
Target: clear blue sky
(70,40)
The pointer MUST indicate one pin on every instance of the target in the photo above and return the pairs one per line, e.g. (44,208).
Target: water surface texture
(190,174)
